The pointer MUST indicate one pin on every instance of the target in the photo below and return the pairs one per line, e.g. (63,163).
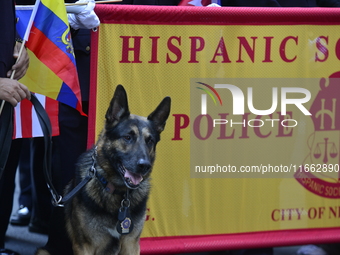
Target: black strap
(75,190)
(6,132)
(44,120)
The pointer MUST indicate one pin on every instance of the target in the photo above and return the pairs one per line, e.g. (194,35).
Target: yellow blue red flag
(48,37)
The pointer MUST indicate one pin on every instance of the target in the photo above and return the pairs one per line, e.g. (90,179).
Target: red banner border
(278,238)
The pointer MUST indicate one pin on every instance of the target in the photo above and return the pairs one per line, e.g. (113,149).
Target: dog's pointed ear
(118,108)
(161,114)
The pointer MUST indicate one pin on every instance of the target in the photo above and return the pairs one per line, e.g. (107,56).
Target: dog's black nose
(144,166)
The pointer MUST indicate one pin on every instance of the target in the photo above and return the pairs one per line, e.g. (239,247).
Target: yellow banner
(252,143)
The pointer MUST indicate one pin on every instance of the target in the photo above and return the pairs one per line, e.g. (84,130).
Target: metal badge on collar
(125,224)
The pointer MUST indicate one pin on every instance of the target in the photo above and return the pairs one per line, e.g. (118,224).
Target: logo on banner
(240,99)
(319,173)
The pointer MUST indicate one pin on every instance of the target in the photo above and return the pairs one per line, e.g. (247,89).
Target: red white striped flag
(26,123)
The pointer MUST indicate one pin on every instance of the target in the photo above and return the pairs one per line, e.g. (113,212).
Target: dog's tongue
(135,178)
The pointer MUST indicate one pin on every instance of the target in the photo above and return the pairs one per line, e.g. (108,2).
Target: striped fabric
(26,123)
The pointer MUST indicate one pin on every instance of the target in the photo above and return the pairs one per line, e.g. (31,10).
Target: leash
(57,200)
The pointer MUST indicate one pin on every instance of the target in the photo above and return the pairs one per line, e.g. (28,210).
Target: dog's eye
(127,138)
(149,141)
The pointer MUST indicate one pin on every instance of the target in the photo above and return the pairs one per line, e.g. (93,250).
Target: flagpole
(2,106)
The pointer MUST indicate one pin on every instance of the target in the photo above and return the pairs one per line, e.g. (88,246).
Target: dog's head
(127,145)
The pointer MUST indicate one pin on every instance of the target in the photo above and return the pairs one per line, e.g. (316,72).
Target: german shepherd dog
(107,215)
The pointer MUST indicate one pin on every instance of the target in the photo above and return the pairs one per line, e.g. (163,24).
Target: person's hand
(86,19)
(21,65)
(13,91)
